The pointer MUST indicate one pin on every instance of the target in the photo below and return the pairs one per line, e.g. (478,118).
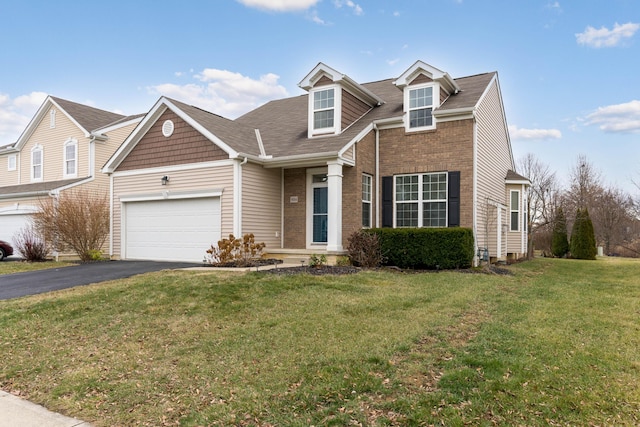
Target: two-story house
(302,173)
(63,147)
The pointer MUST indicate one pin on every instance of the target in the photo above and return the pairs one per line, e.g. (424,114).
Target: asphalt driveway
(37,282)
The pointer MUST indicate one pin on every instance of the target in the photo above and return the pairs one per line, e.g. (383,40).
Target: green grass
(10,267)
(555,344)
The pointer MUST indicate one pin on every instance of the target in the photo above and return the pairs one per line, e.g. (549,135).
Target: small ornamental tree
(559,239)
(583,238)
(75,219)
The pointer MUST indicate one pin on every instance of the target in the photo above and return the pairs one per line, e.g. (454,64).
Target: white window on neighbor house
(366,200)
(514,207)
(419,102)
(323,111)
(421,200)
(52,118)
(71,158)
(12,163)
(36,163)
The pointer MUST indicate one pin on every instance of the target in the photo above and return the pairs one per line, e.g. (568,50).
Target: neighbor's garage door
(10,224)
(171,230)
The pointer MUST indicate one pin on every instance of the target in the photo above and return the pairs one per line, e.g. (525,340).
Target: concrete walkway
(17,412)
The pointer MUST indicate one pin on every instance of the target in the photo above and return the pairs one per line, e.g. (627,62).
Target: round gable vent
(167,128)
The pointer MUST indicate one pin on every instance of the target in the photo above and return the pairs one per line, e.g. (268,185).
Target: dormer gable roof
(322,70)
(435,74)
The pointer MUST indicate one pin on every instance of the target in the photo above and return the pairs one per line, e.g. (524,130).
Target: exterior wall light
(164,180)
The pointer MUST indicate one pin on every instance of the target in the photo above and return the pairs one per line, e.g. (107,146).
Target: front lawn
(555,344)
(10,267)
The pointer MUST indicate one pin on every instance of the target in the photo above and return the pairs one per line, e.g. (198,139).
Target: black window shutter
(387,201)
(454,199)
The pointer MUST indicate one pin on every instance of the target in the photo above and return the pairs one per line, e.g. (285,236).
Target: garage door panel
(176,230)
(10,225)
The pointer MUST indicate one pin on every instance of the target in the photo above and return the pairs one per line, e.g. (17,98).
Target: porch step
(292,257)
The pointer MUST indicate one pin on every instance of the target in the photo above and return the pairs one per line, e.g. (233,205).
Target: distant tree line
(587,213)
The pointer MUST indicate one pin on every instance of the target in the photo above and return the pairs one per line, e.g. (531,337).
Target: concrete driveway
(37,282)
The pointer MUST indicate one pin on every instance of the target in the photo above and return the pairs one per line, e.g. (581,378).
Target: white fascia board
(33,124)
(454,114)
(518,181)
(435,74)
(173,168)
(304,160)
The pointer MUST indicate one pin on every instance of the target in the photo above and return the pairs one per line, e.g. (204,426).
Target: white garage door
(171,230)
(11,223)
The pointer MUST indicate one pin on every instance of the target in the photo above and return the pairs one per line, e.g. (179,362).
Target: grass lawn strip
(10,267)
(555,344)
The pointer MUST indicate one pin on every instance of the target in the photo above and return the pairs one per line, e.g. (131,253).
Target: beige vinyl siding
(23,203)
(493,162)
(261,204)
(191,180)
(52,141)
(8,177)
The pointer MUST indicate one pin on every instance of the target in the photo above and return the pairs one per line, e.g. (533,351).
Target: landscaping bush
(559,239)
(364,249)
(30,244)
(240,251)
(583,238)
(426,248)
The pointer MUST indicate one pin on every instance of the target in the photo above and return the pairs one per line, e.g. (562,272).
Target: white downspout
(111,217)
(476,260)
(282,208)
(377,192)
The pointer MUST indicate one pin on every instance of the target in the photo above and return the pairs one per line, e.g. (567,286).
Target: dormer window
(420,107)
(324,111)
(419,104)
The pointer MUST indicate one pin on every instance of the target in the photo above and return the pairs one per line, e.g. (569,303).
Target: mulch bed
(340,270)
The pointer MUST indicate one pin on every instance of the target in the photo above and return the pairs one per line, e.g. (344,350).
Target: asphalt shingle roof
(89,118)
(37,187)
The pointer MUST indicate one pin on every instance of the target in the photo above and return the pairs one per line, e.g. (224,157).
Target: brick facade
(448,148)
(295,202)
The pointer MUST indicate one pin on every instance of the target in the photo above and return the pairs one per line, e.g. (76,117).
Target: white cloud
(605,37)
(15,114)
(619,118)
(517,133)
(315,18)
(393,61)
(224,92)
(357,10)
(280,5)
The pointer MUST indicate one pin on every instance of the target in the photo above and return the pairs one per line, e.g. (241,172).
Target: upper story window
(324,111)
(419,103)
(70,158)
(36,163)
(12,163)
(52,118)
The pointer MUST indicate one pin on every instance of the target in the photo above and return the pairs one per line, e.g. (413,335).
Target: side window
(71,158)
(366,200)
(514,206)
(36,163)
(12,163)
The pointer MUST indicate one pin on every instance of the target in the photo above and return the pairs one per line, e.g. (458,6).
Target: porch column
(334,206)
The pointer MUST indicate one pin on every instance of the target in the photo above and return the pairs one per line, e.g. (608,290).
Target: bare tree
(542,197)
(586,182)
(613,215)
(77,219)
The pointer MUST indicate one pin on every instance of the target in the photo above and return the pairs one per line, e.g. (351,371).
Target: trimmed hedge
(426,248)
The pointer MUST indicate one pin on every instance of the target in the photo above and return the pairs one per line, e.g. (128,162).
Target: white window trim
(421,201)
(37,148)
(370,177)
(337,111)
(12,162)
(511,211)
(65,160)
(407,98)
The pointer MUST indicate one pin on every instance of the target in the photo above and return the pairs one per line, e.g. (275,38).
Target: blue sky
(569,70)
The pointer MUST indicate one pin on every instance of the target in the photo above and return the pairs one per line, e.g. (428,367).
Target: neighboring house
(303,173)
(63,147)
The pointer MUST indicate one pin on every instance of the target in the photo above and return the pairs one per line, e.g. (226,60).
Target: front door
(320,208)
